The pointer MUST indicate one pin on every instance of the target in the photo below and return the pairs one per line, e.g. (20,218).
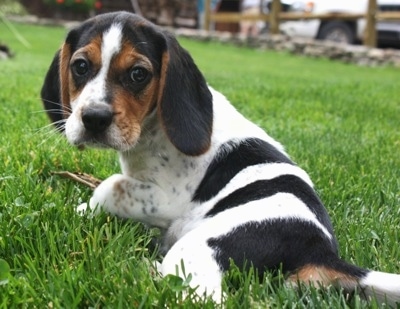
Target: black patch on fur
(50,93)
(186,106)
(225,166)
(280,244)
(265,188)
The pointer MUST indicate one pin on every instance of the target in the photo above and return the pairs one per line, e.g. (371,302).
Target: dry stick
(86,179)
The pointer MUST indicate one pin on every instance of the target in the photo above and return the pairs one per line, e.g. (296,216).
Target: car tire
(337,31)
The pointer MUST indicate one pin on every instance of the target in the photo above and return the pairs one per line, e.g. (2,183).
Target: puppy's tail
(383,287)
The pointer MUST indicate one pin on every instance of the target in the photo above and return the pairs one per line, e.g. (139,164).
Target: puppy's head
(115,70)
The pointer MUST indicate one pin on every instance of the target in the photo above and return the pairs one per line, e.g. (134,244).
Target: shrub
(75,5)
(11,7)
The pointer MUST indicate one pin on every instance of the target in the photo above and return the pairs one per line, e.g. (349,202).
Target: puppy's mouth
(96,128)
(101,140)
(95,141)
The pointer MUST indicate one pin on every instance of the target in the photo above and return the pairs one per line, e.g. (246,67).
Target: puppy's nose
(97,120)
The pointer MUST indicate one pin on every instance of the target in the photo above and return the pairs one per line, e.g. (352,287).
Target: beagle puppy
(218,186)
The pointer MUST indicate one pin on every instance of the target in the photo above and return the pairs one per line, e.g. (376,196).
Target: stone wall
(356,54)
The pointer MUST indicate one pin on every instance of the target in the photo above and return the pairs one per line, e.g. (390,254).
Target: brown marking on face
(163,78)
(91,53)
(322,275)
(130,108)
(65,55)
(128,56)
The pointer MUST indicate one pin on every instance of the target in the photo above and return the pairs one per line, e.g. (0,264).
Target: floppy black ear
(51,95)
(185,102)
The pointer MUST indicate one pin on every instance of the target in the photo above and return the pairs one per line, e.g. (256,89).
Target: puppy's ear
(50,93)
(184,102)
(55,89)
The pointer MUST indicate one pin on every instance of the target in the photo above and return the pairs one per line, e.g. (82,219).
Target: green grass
(340,122)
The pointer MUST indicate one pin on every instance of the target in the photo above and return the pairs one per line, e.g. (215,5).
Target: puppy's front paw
(82,209)
(87,208)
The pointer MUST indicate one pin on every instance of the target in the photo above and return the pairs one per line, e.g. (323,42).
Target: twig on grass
(86,179)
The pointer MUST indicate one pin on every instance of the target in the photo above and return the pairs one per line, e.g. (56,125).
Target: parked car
(345,31)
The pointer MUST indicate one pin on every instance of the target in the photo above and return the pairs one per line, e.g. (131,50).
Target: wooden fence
(275,16)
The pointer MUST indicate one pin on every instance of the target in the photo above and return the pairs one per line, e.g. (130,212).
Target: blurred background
(341,21)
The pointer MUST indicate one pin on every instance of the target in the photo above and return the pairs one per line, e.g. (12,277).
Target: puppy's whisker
(62,107)
(49,133)
(53,139)
(50,101)
(53,111)
(51,127)
(50,137)
(57,125)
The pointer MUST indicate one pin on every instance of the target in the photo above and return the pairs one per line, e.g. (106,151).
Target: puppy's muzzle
(97,119)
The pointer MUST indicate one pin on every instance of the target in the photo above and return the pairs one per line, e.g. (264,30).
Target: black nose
(97,120)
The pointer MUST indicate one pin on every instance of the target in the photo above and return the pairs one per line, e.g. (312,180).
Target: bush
(74,5)
(12,7)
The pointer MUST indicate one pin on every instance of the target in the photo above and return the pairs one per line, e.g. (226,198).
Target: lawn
(339,122)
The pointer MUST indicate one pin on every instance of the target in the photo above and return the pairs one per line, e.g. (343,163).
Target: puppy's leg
(127,197)
(192,255)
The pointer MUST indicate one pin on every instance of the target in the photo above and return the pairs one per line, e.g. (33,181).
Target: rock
(356,54)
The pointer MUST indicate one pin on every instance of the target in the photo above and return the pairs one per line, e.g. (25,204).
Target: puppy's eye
(80,67)
(139,74)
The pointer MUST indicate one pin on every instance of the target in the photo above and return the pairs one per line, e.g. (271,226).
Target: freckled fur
(187,159)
